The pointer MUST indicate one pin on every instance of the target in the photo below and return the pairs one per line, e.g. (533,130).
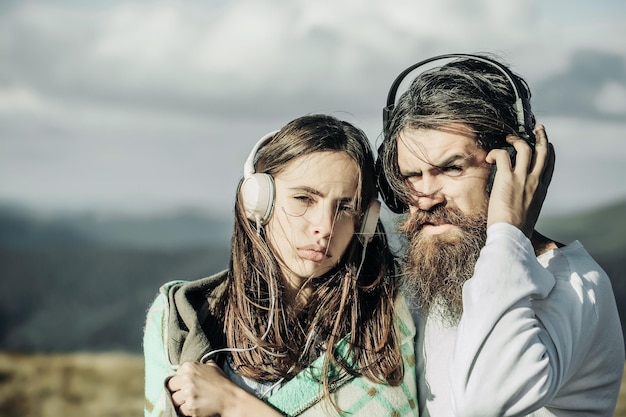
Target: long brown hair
(466,91)
(343,305)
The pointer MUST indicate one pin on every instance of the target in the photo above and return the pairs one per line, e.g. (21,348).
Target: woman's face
(314,213)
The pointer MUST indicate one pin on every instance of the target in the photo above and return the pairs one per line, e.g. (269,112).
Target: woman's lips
(314,253)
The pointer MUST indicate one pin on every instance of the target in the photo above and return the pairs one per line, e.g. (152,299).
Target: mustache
(438,215)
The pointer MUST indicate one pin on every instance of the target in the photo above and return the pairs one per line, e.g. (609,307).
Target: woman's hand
(199,390)
(202,390)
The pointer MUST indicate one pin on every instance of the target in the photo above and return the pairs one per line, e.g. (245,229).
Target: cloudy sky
(147,106)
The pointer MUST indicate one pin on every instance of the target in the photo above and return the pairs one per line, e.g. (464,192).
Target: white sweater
(538,336)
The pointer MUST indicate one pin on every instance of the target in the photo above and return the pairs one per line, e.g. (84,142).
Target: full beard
(437,266)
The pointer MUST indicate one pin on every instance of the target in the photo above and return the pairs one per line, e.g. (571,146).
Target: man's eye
(412,180)
(452,170)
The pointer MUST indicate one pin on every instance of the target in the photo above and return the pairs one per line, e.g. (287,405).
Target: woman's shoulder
(177,293)
(203,285)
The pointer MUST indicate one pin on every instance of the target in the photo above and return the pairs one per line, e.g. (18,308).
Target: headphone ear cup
(392,201)
(369,223)
(257,196)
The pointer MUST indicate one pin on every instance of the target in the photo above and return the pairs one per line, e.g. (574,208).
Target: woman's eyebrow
(349,200)
(307,189)
(311,190)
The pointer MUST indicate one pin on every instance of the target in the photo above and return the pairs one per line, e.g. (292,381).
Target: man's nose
(428,193)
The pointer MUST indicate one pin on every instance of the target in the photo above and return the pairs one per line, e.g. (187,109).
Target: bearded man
(510,323)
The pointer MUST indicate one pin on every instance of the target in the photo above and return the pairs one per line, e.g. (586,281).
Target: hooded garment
(181,326)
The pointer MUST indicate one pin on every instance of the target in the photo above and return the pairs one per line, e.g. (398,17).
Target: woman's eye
(347,209)
(298,204)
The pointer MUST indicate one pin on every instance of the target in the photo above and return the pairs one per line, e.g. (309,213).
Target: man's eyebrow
(409,173)
(454,159)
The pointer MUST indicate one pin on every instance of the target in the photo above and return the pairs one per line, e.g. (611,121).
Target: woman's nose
(322,219)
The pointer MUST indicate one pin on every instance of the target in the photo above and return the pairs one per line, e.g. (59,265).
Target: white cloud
(590,166)
(195,54)
(209,78)
(19,99)
(611,99)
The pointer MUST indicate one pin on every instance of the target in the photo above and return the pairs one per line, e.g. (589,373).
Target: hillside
(76,283)
(85,283)
(602,231)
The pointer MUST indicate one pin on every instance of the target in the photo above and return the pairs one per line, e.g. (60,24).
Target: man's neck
(543,244)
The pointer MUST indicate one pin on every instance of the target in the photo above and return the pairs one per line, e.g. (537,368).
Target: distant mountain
(602,230)
(84,282)
(25,228)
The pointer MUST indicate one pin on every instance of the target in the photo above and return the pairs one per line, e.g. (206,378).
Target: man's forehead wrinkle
(460,157)
(419,151)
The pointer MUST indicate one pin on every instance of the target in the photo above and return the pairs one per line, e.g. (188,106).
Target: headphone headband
(519,105)
(257,192)
(248,166)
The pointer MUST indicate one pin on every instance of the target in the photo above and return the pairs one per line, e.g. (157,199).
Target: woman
(307,317)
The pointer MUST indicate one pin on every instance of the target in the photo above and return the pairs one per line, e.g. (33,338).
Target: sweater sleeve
(507,361)
(157,364)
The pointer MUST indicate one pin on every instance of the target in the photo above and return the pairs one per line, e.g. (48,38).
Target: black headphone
(257,193)
(521,106)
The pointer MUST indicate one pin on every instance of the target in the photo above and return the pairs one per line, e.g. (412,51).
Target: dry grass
(94,385)
(620,410)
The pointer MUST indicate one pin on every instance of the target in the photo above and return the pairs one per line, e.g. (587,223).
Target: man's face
(446,226)
(443,167)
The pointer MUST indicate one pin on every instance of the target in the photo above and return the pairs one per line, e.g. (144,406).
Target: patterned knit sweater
(178,329)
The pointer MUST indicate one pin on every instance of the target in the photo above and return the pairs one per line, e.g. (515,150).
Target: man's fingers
(523,154)
(541,151)
(549,169)
(500,157)
(544,157)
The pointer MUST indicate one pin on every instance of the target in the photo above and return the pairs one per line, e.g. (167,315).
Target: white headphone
(257,193)
(257,190)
